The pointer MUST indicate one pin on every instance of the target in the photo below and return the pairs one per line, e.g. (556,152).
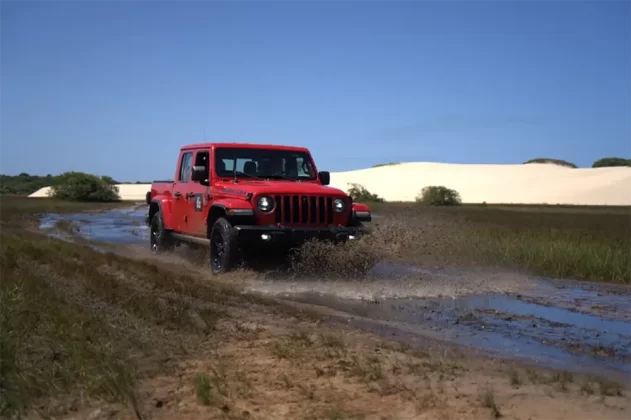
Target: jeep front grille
(303,209)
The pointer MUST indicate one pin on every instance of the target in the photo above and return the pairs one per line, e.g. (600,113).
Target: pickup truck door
(180,189)
(197,200)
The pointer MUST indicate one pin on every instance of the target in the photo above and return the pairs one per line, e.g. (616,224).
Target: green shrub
(611,161)
(553,161)
(79,186)
(439,196)
(23,184)
(359,193)
(109,180)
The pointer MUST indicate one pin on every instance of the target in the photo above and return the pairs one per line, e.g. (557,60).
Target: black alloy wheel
(223,247)
(158,236)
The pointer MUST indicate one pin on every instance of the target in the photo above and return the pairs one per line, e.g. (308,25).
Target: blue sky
(115,88)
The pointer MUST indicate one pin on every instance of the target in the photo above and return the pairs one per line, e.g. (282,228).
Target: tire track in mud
(567,324)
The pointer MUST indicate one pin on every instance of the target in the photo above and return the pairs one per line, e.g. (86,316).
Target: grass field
(586,243)
(99,335)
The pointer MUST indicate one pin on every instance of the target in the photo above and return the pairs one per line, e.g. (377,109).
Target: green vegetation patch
(25,184)
(79,186)
(49,344)
(438,195)
(78,323)
(564,242)
(360,194)
(378,165)
(559,162)
(611,161)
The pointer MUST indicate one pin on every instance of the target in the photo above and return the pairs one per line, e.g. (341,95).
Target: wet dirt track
(562,324)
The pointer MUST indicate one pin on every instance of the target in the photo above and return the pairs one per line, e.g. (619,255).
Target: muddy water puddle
(501,324)
(123,226)
(564,324)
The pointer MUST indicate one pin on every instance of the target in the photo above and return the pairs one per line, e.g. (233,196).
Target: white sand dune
(497,184)
(132,192)
(493,184)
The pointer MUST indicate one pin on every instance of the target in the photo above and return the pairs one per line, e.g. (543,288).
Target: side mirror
(325,177)
(199,174)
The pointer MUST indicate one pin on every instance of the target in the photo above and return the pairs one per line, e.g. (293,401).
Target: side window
(202,159)
(185,168)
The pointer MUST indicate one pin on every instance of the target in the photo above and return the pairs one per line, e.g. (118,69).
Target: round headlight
(265,204)
(339,205)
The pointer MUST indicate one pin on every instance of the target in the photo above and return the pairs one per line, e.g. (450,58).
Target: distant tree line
(611,161)
(559,162)
(433,195)
(600,163)
(25,184)
(386,164)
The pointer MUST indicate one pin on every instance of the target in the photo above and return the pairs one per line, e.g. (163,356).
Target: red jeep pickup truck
(241,199)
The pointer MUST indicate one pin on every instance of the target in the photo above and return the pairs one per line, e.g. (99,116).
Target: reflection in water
(501,324)
(113,227)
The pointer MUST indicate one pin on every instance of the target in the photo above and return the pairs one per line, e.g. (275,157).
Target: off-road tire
(224,249)
(159,238)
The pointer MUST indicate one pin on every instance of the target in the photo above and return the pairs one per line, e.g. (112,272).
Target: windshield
(264,163)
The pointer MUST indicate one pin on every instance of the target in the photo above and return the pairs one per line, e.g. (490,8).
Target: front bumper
(295,236)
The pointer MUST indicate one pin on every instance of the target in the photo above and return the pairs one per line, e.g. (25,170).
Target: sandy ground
(273,368)
(493,184)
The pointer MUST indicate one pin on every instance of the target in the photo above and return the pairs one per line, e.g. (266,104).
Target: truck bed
(160,187)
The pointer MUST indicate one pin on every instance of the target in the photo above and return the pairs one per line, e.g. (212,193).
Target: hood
(280,187)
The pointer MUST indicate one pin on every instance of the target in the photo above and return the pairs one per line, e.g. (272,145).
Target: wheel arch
(164,207)
(231,213)
(359,213)
(216,211)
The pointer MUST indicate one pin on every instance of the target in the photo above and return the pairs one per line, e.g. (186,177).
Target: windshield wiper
(262,177)
(280,177)
(245,174)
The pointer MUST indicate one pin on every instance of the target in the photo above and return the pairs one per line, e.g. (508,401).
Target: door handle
(189,195)
(177,194)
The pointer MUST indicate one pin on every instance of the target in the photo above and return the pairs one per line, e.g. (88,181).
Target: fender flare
(236,211)
(361,212)
(163,205)
(360,207)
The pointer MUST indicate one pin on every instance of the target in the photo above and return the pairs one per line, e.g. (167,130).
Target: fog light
(351,237)
(265,237)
